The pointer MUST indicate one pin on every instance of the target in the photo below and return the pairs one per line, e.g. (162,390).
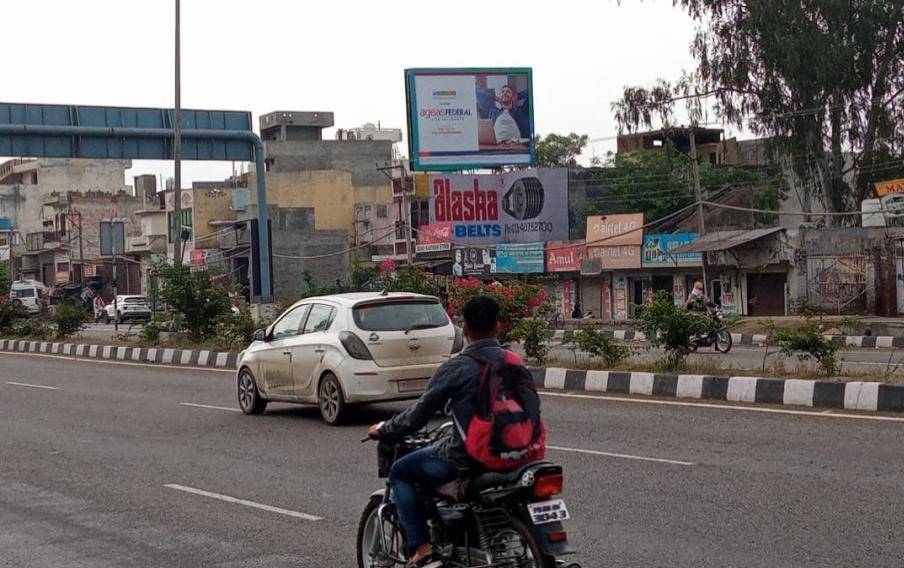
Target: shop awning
(725,240)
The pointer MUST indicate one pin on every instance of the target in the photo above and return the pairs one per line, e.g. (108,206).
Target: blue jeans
(424,468)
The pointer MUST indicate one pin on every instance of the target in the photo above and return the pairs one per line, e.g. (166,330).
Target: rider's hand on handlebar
(374,431)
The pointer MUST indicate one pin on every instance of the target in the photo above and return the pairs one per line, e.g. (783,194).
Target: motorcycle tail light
(557,536)
(355,347)
(548,485)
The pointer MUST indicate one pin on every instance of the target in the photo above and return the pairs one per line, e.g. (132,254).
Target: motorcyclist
(697,301)
(454,386)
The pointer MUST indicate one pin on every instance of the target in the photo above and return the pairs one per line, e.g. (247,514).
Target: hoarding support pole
(81,253)
(115,299)
(701,223)
(406,206)
(177,149)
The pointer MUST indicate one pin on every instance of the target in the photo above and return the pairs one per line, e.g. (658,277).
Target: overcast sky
(342,56)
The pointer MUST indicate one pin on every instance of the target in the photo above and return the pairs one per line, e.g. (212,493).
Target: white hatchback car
(346,349)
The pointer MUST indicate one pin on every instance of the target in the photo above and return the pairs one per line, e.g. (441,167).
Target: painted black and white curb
(759,339)
(187,357)
(855,395)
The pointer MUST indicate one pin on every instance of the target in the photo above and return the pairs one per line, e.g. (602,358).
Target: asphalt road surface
(117,465)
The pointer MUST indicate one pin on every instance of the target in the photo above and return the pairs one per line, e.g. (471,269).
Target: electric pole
(406,207)
(701,222)
(177,150)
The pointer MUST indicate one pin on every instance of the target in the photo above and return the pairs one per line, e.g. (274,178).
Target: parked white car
(128,308)
(29,294)
(346,349)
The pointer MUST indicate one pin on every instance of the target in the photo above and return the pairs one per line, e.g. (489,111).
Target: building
(370,132)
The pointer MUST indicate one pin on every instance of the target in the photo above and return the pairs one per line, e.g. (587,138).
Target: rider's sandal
(432,560)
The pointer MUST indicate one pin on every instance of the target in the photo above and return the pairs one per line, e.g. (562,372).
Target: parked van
(29,294)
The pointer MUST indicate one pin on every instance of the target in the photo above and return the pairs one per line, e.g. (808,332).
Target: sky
(343,56)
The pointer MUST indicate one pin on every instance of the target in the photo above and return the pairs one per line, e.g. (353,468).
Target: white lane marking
(209,407)
(15,384)
(244,502)
(715,406)
(623,456)
(108,362)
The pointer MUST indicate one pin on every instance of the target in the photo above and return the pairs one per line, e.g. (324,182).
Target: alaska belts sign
(514,207)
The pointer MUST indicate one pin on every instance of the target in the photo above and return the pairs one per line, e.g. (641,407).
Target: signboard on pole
(434,238)
(617,257)
(656,249)
(469,118)
(471,261)
(514,207)
(112,238)
(522,258)
(884,188)
(614,230)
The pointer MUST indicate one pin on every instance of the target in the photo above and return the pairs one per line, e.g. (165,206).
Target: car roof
(354,298)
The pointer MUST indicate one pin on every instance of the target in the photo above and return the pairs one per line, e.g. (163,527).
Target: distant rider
(697,300)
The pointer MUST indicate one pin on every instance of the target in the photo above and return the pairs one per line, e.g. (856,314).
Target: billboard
(523,206)
(656,249)
(519,258)
(434,238)
(470,261)
(470,118)
(564,256)
(613,230)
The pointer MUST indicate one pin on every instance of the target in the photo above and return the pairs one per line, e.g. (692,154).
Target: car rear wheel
(250,399)
(333,408)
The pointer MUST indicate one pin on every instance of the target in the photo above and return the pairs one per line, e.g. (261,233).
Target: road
(118,465)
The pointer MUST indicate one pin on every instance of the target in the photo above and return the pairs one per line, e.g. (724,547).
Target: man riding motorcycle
(697,301)
(454,386)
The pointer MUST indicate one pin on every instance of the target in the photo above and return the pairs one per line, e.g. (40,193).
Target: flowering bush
(387,266)
(516,301)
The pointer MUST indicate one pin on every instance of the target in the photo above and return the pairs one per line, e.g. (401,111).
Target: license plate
(548,512)
(415,385)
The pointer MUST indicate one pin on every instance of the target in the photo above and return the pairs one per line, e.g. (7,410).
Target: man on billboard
(507,112)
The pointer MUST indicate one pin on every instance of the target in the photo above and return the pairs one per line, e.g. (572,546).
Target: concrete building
(370,131)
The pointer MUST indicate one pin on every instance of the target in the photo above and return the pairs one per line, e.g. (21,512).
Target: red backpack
(506,432)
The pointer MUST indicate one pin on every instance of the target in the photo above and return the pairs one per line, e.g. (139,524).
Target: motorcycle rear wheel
(723,341)
(368,542)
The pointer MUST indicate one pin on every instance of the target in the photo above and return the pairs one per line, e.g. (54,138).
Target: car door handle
(319,350)
(288,354)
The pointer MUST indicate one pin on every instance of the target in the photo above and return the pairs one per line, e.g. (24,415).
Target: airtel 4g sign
(514,207)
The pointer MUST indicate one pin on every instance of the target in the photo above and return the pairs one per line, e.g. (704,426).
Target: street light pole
(177,149)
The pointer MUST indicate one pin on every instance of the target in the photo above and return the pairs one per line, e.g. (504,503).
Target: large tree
(823,78)
(558,150)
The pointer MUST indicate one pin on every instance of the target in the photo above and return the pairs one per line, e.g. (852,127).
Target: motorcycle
(720,337)
(495,520)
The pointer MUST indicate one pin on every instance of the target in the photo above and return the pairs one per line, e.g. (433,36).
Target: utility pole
(701,222)
(406,208)
(177,149)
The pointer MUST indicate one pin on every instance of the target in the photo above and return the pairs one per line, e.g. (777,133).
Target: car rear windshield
(25,293)
(135,301)
(400,316)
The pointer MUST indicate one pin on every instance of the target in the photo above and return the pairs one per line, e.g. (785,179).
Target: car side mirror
(260,335)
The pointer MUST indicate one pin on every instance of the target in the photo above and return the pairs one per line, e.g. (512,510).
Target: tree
(560,151)
(194,296)
(658,182)
(824,78)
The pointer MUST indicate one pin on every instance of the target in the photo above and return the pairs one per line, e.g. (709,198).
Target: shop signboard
(523,206)
(564,256)
(884,188)
(616,257)
(434,238)
(522,258)
(470,118)
(474,261)
(656,249)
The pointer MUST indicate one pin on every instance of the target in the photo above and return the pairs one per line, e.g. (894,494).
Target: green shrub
(31,328)
(198,303)
(68,320)
(598,343)
(807,342)
(235,331)
(533,333)
(671,327)
(150,333)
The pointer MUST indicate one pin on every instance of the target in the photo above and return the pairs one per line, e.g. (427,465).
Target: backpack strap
(483,394)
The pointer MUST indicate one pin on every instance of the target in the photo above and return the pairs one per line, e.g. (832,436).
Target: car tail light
(459,342)
(548,485)
(355,347)
(557,536)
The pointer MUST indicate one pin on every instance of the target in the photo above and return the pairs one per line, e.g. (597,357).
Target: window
(288,325)
(320,319)
(381,211)
(24,293)
(400,316)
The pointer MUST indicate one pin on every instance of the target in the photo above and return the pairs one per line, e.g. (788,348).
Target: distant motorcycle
(496,520)
(720,337)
